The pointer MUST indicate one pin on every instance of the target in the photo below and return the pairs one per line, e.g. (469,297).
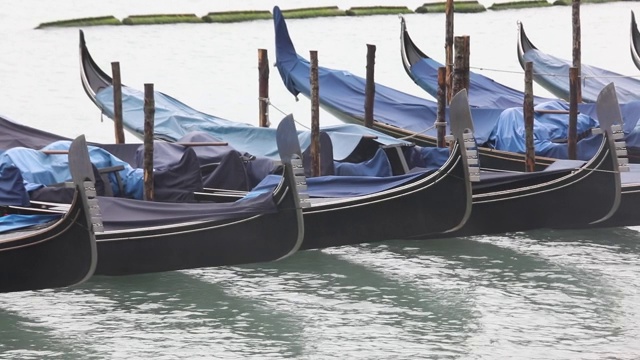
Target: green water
(544,294)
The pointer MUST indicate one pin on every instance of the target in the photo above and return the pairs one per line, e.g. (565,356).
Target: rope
(418,133)
(556,75)
(269,103)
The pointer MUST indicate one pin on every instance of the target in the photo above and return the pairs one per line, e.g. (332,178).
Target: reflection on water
(539,294)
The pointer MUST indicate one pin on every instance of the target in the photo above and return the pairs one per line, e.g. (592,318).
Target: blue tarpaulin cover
(345,186)
(174,119)
(13,222)
(12,189)
(119,213)
(551,72)
(251,173)
(39,169)
(344,93)
(483,91)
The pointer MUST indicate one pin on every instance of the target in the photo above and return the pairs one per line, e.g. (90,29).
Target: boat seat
(397,159)
(104,175)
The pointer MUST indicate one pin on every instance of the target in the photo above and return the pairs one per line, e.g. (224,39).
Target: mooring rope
(418,133)
(585,77)
(269,103)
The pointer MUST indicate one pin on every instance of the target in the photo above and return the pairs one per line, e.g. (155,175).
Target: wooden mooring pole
(263,88)
(461,64)
(575,15)
(448,48)
(530,154)
(149,119)
(315,115)
(370,86)
(574,84)
(441,123)
(117,102)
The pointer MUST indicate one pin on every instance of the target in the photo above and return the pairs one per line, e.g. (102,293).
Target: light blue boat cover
(174,119)
(344,93)
(39,169)
(351,178)
(13,222)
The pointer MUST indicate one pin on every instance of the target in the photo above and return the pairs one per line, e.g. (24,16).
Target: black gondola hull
(60,254)
(57,256)
(254,239)
(435,204)
(572,201)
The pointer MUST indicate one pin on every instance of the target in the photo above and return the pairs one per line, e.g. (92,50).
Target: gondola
(391,115)
(483,91)
(395,113)
(528,201)
(552,73)
(634,44)
(59,252)
(487,93)
(352,214)
(151,236)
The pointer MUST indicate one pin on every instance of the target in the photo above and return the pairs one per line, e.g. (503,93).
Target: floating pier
(470,6)
(520,4)
(161,19)
(465,6)
(91,21)
(237,16)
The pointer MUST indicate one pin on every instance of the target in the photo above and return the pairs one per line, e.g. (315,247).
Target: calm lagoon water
(535,295)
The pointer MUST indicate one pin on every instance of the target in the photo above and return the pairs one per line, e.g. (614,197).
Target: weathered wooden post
(441,123)
(149,119)
(530,154)
(117,102)
(315,115)
(263,88)
(574,84)
(461,64)
(575,14)
(448,48)
(370,87)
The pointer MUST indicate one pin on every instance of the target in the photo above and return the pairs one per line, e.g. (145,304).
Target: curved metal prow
(84,179)
(290,153)
(611,122)
(461,124)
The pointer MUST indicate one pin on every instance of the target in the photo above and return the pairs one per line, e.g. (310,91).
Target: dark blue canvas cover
(13,134)
(551,72)
(483,91)
(119,213)
(174,120)
(12,189)
(344,93)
